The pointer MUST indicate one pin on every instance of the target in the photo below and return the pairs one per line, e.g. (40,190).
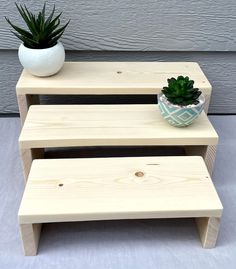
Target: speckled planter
(180,116)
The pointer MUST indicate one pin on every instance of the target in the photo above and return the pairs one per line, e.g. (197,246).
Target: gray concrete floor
(118,244)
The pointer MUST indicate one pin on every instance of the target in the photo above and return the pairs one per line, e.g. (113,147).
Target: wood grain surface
(107,125)
(118,188)
(112,78)
(208,230)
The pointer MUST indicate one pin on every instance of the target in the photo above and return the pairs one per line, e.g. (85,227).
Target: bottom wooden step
(63,190)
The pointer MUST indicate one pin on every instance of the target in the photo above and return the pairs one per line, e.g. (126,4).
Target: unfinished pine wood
(209,157)
(24,102)
(208,230)
(27,156)
(30,234)
(207,152)
(110,78)
(118,188)
(207,102)
(108,125)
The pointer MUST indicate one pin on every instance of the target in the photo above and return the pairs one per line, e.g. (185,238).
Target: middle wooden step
(94,125)
(109,125)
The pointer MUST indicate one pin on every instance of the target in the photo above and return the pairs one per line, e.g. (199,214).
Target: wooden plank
(30,234)
(109,78)
(27,156)
(118,188)
(208,230)
(24,102)
(207,152)
(112,78)
(97,125)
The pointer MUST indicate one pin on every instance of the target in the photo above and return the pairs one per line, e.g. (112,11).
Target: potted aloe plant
(40,53)
(180,103)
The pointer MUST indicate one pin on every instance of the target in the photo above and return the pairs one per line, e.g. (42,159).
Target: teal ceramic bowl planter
(180,116)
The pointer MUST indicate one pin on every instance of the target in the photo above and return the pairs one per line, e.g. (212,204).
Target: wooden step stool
(109,78)
(63,190)
(152,182)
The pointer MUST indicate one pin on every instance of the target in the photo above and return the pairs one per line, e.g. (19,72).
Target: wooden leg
(30,234)
(207,152)
(24,102)
(207,103)
(27,156)
(209,157)
(208,229)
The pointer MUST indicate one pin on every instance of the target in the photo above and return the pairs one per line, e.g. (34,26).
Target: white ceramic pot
(42,62)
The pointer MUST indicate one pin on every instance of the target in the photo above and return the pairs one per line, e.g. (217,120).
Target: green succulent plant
(181,92)
(43,32)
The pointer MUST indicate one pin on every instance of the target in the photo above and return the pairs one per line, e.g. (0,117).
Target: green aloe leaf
(49,19)
(19,30)
(55,20)
(25,40)
(25,18)
(44,32)
(58,31)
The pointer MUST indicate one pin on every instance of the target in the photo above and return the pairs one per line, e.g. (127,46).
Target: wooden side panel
(208,229)
(27,156)
(30,234)
(207,152)
(24,102)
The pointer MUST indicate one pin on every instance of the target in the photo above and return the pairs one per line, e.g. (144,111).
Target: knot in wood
(139,174)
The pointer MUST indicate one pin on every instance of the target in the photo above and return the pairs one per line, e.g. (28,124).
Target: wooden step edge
(200,213)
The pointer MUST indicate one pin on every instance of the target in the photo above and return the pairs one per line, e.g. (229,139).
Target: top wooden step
(112,78)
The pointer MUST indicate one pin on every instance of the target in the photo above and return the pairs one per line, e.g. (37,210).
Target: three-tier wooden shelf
(79,189)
